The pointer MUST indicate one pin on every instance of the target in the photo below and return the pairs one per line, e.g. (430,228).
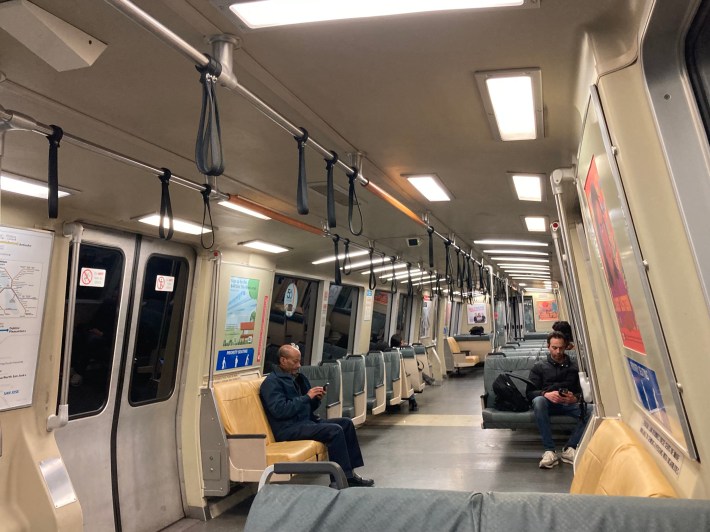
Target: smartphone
(325,386)
(563,391)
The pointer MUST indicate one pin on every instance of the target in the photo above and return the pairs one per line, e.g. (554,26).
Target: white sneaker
(549,460)
(567,455)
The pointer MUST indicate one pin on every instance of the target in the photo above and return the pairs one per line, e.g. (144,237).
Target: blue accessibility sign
(234,358)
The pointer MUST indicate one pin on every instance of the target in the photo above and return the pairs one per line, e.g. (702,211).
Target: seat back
(393,362)
(615,463)
(318,376)
(354,367)
(453,344)
(375,379)
(240,407)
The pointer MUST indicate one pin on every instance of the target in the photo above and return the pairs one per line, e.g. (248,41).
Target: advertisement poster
(24,264)
(546,310)
(369,302)
(477,313)
(611,260)
(239,324)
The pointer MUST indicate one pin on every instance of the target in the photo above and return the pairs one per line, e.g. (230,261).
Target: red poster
(547,311)
(611,259)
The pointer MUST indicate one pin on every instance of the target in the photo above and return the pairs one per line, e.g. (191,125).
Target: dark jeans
(544,409)
(338,434)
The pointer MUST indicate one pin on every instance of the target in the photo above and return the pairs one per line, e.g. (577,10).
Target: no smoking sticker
(164,283)
(92,277)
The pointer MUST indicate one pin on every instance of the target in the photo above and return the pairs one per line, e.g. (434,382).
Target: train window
(340,318)
(454,317)
(529,314)
(158,334)
(381,311)
(94,334)
(291,317)
(698,61)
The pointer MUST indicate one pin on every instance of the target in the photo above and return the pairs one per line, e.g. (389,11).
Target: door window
(159,330)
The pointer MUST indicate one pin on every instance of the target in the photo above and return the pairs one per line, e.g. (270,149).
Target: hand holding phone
(563,391)
(325,386)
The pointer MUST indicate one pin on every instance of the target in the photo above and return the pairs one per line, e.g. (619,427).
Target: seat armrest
(246,436)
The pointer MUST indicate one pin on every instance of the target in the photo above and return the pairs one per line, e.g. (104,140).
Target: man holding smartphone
(556,391)
(290,403)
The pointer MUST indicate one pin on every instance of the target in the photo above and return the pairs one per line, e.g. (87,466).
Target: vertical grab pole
(491,295)
(217,259)
(556,179)
(554,229)
(507,313)
(61,418)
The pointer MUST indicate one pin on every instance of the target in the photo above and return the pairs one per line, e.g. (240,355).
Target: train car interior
(410,196)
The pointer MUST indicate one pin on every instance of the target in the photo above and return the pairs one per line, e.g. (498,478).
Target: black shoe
(413,407)
(357,481)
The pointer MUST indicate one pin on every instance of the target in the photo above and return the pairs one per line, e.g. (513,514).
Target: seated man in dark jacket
(290,403)
(556,391)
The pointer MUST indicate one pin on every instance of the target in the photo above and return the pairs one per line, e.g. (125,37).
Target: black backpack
(508,397)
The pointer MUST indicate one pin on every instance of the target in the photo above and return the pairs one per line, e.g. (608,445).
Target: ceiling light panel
(27,187)
(181,226)
(537,224)
(528,187)
(268,13)
(515,252)
(494,242)
(243,210)
(264,246)
(519,259)
(341,256)
(387,268)
(513,103)
(429,186)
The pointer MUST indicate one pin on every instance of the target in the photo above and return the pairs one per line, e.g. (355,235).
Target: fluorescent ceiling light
(387,268)
(522,284)
(518,259)
(341,256)
(181,226)
(527,272)
(536,223)
(266,13)
(527,187)
(493,242)
(403,275)
(514,252)
(244,210)
(525,266)
(27,187)
(527,277)
(264,246)
(429,186)
(513,102)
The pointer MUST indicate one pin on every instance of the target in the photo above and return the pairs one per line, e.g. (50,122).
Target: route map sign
(24,266)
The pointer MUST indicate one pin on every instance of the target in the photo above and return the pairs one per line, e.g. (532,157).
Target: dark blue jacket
(549,375)
(285,401)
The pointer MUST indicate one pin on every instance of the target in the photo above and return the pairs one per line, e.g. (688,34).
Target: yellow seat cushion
(615,463)
(240,408)
(473,358)
(295,451)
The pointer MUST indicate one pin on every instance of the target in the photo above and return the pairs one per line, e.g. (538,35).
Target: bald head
(289,359)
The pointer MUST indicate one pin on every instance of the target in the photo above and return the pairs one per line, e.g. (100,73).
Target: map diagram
(19,288)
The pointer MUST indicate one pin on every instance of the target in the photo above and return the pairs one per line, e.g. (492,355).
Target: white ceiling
(401,90)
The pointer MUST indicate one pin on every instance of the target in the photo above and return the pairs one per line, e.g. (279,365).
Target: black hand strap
(430,230)
(302,190)
(206,211)
(438,285)
(166,209)
(347,262)
(208,147)
(393,283)
(338,280)
(53,171)
(410,289)
(352,201)
(372,284)
(330,198)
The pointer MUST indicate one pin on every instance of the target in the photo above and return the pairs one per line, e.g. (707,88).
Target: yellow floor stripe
(425,420)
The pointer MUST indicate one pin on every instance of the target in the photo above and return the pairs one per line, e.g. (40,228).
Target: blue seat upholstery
(376,389)
(331,406)
(353,373)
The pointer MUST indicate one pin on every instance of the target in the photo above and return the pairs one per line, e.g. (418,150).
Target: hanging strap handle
(208,146)
(166,209)
(347,261)
(410,289)
(438,284)
(430,230)
(372,283)
(53,171)
(393,283)
(302,190)
(352,201)
(330,198)
(338,279)
(206,211)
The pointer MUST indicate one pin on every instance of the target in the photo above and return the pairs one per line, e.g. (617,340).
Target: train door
(120,445)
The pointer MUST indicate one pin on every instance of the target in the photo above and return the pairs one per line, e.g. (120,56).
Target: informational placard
(547,310)
(647,390)
(369,302)
(477,313)
(93,277)
(164,283)
(24,267)
(290,299)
